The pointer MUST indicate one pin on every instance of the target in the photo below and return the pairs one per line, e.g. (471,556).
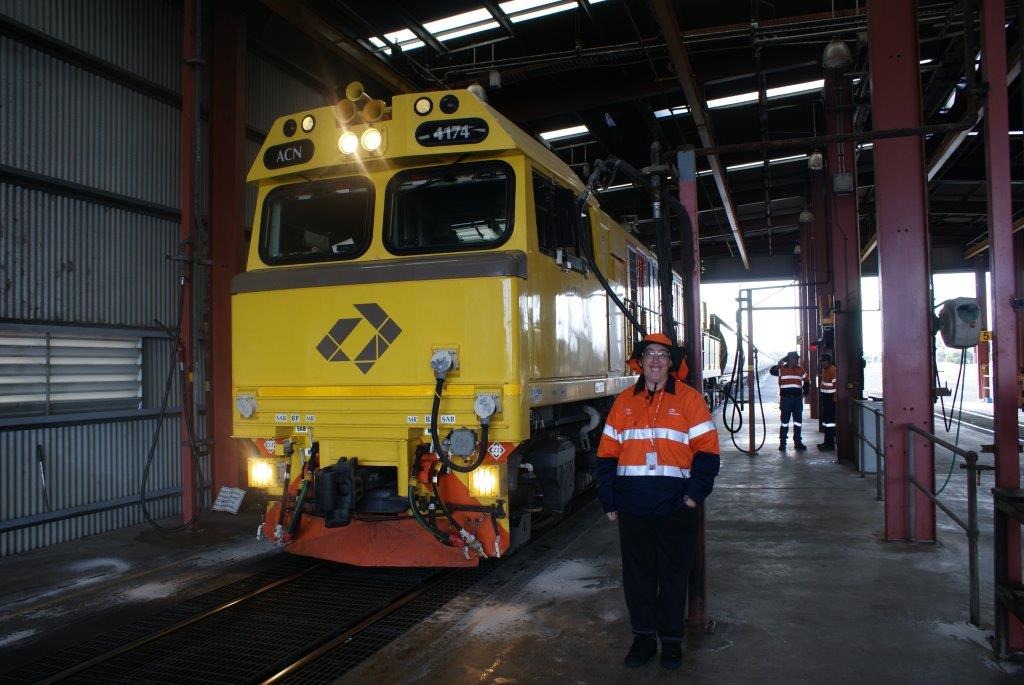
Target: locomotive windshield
(450,208)
(317,222)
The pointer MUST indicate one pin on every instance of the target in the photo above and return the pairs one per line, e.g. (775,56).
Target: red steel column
(188,180)
(981,357)
(809,300)
(844,236)
(822,265)
(685,162)
(1005,339)
(903,265)
(227,204)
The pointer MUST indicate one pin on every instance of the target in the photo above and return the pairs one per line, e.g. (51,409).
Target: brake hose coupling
(442,362)
(472,541)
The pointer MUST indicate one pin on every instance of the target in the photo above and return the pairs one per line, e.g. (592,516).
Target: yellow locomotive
(421,266)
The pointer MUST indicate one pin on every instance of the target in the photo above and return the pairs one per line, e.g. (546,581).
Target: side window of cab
(560,233)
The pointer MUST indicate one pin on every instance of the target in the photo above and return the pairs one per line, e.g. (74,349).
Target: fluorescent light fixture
(705,172)
(754,165)
(746,98)
(927,60)
(1017,133)
(564,132)
(618,186)
(672,112)
(795,88)
(972,133)
(866,146)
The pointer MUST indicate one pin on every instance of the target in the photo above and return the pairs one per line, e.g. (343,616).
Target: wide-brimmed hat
(678,355)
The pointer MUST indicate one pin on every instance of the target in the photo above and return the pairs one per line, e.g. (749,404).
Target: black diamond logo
(386,333)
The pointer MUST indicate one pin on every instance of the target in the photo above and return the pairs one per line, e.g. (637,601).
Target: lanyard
(651,423)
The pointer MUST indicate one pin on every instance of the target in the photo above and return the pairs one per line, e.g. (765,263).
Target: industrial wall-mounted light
(815,161)
(837,55)
(806,216)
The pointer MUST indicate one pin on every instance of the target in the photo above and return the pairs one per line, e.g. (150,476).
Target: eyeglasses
(657,354)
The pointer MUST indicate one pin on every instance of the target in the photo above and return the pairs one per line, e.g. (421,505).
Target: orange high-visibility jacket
(659,435)
(792,377)
(828,380)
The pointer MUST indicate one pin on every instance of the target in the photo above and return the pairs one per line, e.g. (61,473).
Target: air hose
(441,454)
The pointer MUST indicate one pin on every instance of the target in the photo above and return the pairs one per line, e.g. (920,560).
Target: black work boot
(825,447)
(671,655)
(798,443)
(783,433)
(643,649)
(799,446)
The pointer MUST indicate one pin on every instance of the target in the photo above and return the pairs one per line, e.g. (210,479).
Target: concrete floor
(800,583)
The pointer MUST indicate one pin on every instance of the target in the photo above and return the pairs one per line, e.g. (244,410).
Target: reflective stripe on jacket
(828,380)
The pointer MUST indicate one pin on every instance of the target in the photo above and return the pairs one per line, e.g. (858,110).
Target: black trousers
(828,417)
(657,556)
(792,408)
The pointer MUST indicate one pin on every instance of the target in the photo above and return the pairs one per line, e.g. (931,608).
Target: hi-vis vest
(658,436)
(828,380)
(791,377)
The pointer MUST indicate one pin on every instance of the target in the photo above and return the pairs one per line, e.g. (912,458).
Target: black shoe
(671,655)
(825,447)
(799,446)
(643,650)
(782,447)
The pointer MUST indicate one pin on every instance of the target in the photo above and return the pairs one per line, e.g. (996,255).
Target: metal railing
(876,446)
(974,470)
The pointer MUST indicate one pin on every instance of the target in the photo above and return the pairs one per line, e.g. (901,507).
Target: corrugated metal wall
(69,259)
(89,195)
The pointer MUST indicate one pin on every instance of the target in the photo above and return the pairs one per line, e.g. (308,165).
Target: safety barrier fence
(970,528)
(864,414)
(858,410)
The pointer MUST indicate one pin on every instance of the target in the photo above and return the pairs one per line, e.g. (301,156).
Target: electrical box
(960,322)
(842,183)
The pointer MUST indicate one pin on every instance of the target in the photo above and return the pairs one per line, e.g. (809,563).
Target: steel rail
(135,644)
(278,673)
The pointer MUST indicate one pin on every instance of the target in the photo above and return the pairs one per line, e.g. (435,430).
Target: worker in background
(657,461)
(793,386)
(827,401)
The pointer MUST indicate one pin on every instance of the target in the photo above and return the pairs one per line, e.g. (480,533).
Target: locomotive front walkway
(800,582)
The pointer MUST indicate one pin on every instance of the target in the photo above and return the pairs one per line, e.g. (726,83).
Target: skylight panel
(457,21)
(469,30)
(524,10)
(560,133)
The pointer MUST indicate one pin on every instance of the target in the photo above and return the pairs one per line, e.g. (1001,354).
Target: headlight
(423,106)
(308,122)
(262,473)
(485,481)
(348,142)
(371,139)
